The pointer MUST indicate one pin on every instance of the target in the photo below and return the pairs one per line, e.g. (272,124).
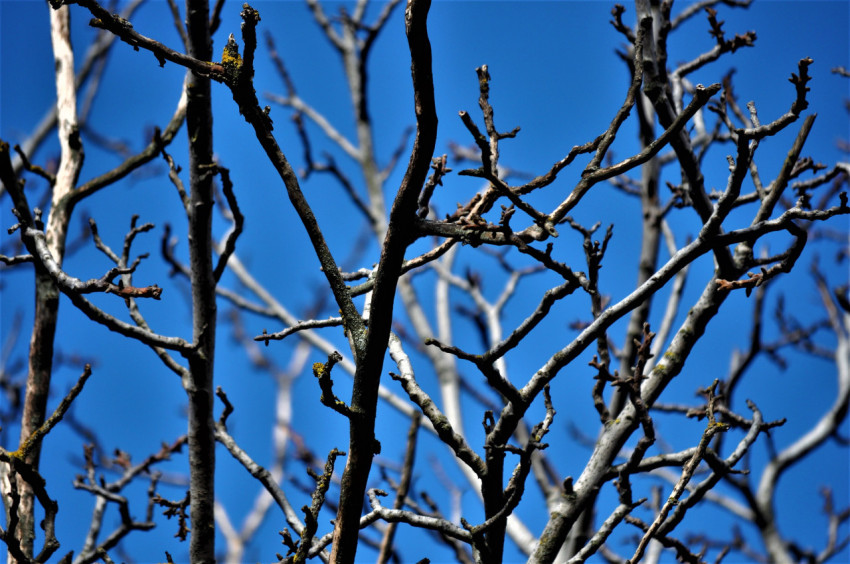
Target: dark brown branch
(323,373)
(304,325)
(723,45)
(311,514)
(18,259)
(199,386)
(33,441)
(238,219)
(246,98)
(409,265)
(123,29)
(617,12)
(400,234)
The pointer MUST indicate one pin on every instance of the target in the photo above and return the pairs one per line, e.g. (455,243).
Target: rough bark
(200,390)
(40,365)
(362,442)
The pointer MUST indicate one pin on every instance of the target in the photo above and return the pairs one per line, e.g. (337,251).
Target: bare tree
(415,278)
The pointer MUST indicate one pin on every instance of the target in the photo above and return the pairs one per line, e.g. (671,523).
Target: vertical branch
(362,443)
(825,427)
(688,470)
(46,291)
(650,243)
(658,91)
(200,388)
(403,489)
(71,159)
(355,72)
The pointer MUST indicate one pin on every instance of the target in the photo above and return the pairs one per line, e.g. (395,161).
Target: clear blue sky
(554,73)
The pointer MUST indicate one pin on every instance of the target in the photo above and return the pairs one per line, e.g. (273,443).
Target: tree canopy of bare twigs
(322,281)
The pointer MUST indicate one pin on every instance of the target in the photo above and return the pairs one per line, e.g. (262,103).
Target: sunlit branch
(262,475)
(72,285)
(604,531)
(441,424)
(123,29)
(421,521)
(93,58)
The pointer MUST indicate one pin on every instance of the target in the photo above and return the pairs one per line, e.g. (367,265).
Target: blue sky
(555,74)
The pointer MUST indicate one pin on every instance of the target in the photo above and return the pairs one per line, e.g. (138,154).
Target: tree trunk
(200,387)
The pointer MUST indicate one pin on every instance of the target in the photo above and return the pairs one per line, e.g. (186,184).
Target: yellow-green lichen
(230,58)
